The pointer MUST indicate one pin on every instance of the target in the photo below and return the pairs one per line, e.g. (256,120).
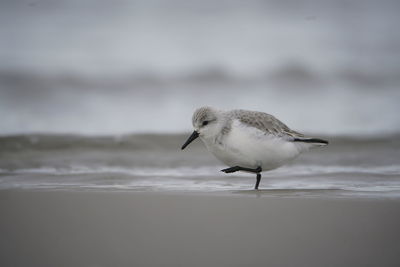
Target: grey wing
(266,123)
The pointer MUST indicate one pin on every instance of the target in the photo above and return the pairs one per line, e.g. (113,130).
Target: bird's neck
(220,133)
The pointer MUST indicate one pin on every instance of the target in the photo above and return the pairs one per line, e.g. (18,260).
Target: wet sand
(62,228)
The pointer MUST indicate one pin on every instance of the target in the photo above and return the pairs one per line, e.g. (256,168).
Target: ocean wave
(282,77)
(150,142)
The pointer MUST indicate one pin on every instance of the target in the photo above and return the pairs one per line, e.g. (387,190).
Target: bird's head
(206,123)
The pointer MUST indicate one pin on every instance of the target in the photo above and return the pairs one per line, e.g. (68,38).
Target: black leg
(238,168)
(258,181)
(232,169)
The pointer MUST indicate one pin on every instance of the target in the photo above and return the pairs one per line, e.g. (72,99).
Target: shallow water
(348,167)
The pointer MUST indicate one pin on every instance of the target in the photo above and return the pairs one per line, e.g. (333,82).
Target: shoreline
(262,193)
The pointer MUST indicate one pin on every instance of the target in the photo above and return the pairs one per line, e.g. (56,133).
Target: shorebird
(248,141)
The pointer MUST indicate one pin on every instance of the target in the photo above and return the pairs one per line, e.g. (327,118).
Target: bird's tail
(311,142)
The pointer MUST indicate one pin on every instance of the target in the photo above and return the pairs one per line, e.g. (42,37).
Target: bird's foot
(231,169)
(238,168)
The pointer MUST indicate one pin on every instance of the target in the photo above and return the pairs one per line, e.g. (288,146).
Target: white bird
(248,141)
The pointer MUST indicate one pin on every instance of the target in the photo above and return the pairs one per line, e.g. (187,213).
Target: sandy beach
(61,228)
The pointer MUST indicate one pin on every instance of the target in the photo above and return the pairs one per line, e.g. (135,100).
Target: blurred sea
(101,67)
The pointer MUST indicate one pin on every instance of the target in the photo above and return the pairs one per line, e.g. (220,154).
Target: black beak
(193,136)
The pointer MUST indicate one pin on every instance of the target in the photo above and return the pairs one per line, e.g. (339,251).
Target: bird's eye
(205,123)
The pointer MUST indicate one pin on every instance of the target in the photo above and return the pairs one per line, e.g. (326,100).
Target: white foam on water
(381,180)
(203,170)
(76,170)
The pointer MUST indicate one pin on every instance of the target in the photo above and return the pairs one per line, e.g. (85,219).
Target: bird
(248,141)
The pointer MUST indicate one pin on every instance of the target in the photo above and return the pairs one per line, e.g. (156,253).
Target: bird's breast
(252,147)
